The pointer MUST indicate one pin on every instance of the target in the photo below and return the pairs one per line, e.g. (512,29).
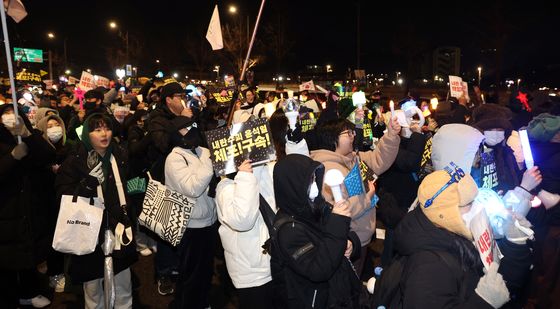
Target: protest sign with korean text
(455,86)
(245,141)
(87,81)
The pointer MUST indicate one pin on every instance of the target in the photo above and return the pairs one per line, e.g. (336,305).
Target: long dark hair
(279,128)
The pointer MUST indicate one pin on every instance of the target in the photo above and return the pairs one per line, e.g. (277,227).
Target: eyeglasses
(456,173)
(350,133)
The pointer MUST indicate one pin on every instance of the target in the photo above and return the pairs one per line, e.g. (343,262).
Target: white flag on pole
(214,34)
(15,9)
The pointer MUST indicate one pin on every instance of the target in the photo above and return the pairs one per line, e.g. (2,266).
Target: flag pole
(235,96)
(251,43)
(10,67)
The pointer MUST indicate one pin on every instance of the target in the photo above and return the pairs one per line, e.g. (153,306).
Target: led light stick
(526,146)
(333,179)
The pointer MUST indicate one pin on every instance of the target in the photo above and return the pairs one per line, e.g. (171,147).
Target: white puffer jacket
(190,175)
(243,230)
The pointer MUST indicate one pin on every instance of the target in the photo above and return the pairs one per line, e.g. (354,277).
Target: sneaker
(38,301)
(165,286)
(58,283)
(146,252)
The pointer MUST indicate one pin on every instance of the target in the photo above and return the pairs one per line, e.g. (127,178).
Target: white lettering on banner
(86,81)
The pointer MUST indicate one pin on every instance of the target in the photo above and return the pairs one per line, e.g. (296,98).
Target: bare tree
(235,47)
(278,42)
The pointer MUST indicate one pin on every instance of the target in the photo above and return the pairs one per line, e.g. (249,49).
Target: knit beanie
(543,127)
(492,116)
(444,210)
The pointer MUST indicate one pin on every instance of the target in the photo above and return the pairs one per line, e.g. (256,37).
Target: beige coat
(379,160)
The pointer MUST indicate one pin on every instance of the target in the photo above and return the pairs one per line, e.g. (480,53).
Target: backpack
(388,289)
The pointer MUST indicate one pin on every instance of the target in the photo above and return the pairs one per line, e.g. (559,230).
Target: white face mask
(54,134)
(313,191)
(9,120)
(493,137)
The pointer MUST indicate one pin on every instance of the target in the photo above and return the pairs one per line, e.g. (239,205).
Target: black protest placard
(308,121)
(244,141)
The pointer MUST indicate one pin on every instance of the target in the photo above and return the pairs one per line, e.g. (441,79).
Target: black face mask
(89,105)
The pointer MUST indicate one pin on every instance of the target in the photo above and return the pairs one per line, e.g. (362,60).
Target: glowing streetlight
(50,35)
(232,9)
(88,70)
(175,75)
(112,25)
(157,60)
(479,75)
(518,82)
(67,72)
(400,81)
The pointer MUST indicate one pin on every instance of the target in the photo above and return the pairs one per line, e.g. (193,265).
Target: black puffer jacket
(73,170)
(24,237)
(163,127)
(442,269)
(308,262)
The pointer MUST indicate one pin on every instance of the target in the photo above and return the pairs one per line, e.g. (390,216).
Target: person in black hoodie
(93,104)
(313,244)
(23,233)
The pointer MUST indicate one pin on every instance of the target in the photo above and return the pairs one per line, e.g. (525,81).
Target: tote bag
(78,224)
(165,211)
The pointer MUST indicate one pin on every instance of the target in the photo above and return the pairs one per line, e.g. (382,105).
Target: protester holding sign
(336,152)
(188,170)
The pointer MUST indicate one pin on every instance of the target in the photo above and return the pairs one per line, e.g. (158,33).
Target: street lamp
(67,72)
(175,75)
(233,10)
(88,70)
(479,75)
(50,35)
(113,25)
(157,60)
(217,70)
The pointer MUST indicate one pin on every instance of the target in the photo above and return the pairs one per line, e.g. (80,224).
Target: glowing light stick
(333,179)
(392,106)
(359,99)
(434,103)
(526,146)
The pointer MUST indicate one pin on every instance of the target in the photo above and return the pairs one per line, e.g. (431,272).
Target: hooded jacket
(243,230)
(69,182)
(309,247)
(379,160)
(442,269)
(190,174)
(24,239)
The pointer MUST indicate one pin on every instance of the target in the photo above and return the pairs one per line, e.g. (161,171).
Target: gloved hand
(296,135)
(20,151)
(97,173)
(492,288)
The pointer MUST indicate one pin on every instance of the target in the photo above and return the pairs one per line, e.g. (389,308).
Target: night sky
(319,32)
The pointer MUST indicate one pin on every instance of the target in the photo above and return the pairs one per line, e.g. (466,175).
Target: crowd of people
(288,238)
